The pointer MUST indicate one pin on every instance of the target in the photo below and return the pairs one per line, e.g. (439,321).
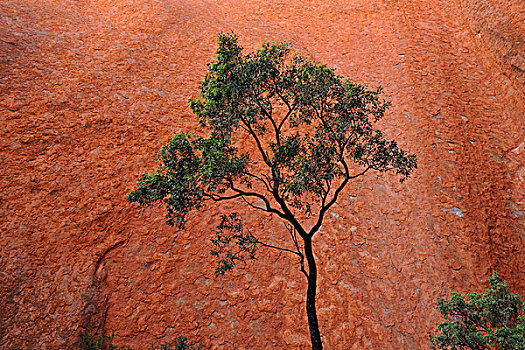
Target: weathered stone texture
(89,91)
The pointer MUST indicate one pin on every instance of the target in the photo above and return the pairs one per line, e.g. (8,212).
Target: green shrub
(89,341)
(179,343)
(493,320)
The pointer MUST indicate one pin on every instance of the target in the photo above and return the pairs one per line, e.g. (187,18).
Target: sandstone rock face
(89,91)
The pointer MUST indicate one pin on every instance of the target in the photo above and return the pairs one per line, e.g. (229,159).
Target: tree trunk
(311,311)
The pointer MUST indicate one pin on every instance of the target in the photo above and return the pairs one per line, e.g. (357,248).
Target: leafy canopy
(493,320)
(311,131)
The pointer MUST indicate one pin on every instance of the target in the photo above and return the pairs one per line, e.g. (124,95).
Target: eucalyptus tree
(311,132)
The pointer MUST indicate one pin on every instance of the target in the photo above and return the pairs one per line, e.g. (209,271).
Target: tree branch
(291,230)
(279,248)
(269,116)
(269,208)
(253,205)
(288,214)
(325,208)
(218,198)
(285,118)
(296,252)
(263,180)
(287,103)
(258,142)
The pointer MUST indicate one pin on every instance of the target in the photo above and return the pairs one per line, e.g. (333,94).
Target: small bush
(93,342)
(89,341)
(493,320)
(179,343)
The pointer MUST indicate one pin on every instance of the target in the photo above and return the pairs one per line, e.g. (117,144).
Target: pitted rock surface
(90,90)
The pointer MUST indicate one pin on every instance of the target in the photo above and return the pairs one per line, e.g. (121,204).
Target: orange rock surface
(89,91)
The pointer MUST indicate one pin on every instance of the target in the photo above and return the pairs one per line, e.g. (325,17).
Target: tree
(312,131)
(493,320)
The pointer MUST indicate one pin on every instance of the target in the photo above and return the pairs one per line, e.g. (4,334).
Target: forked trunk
(311,311)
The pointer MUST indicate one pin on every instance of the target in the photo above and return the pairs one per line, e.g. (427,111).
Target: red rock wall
(89,91)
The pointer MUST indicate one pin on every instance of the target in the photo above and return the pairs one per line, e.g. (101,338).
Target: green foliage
(179,343)
(493,320)
(93,342)
(192,169)
(231,233)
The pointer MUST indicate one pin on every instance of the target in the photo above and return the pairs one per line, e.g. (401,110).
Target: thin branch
(325,123)
(269,208)
(328,185)
(263,180)
(325,208)
(321,186)
(287,103)
(360,174)
(267,178)
(269,116)
(258,142)
(265,112)
(296,252)
(287,215)
(218,198)
(302,267)
(347,139)
(288,114)
(279,94)
(291,230)
(343,184)
(253,205)
(279,248)
(276,178)
(244,128)
(324,197)
(301,256)
(290,111)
